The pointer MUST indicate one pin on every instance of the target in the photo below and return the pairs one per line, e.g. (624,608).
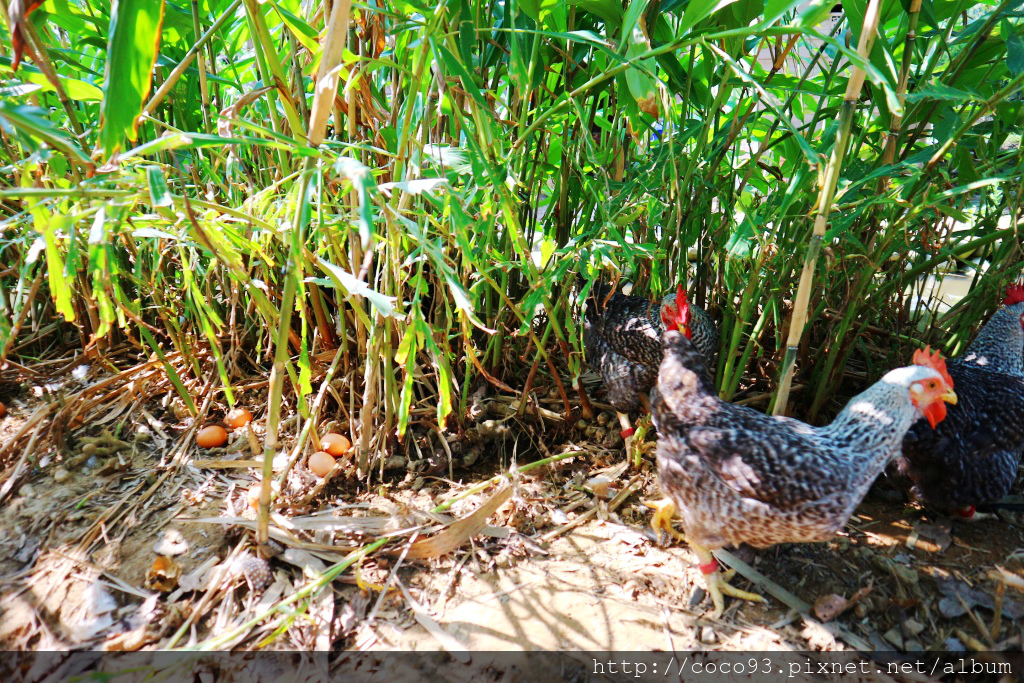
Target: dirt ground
(149,546)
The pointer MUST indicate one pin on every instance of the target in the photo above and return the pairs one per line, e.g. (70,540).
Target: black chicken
(973,456)
(622,338)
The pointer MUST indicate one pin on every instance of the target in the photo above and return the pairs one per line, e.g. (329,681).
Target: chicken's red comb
(935,361)
(1014,294)
(678,316)
(683,306)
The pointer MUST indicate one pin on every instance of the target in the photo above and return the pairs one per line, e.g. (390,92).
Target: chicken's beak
(935,411)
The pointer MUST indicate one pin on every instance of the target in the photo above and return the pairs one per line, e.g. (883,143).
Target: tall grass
(427,220)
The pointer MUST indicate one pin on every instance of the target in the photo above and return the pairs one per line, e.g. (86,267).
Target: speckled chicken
(973,456)
(622,337)
(738,476)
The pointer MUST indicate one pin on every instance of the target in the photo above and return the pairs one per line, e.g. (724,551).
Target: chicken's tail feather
(596,297)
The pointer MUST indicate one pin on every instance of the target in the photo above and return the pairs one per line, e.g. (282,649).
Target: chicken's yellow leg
(718,583)
(627,433)
(661,522)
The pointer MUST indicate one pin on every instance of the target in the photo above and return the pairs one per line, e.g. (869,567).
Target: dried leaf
(950,605)
(461,531)
(18,12)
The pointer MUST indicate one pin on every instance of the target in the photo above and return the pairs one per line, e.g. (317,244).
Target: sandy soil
(564,564)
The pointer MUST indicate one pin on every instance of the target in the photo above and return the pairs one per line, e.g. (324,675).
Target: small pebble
(61,475)
(894,637)
(707,635)
(953,645)
(906,574)
(912,628)
(27,491)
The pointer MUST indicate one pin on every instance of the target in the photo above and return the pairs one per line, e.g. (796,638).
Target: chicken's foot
(718,583)
(661,522)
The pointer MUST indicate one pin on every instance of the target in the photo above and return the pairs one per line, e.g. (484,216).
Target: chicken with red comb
(739,476)
(972,458)
(622,339)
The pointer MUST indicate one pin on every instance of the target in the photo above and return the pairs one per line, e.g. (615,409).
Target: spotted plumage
(972,457)
(622,337)
(738,476)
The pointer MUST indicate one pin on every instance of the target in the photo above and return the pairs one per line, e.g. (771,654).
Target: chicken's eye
(932,385)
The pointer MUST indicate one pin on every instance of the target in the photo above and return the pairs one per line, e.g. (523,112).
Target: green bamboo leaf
(48,226)
(814,13)
(629,21)
(303,32)
(172,374)
(406,356)
(75,88)
(699,10)
(1014,49)
(941,91)
(131,53)
(608,10)
(28,122)
(363,182)
(350,284)
(159,195)
(775,9)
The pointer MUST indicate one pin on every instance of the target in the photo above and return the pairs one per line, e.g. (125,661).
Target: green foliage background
(481,153)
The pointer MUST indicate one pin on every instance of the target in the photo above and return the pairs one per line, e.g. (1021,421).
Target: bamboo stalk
(798,319)
(278,371)
(186,61)
(204,89)
(331,56)
(895,125)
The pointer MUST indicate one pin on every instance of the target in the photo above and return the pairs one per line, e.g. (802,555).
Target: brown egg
(211,437)
(335,444)
(320,463)
(3,409)
(238,418)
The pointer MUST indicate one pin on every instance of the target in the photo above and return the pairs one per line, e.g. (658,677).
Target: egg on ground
(211,437)
(238,418)
(335,444)
(320,463)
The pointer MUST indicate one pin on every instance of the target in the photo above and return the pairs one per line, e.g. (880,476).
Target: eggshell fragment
(335,444)
(253,496)
(238,418)
(320,463)
(211,437)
